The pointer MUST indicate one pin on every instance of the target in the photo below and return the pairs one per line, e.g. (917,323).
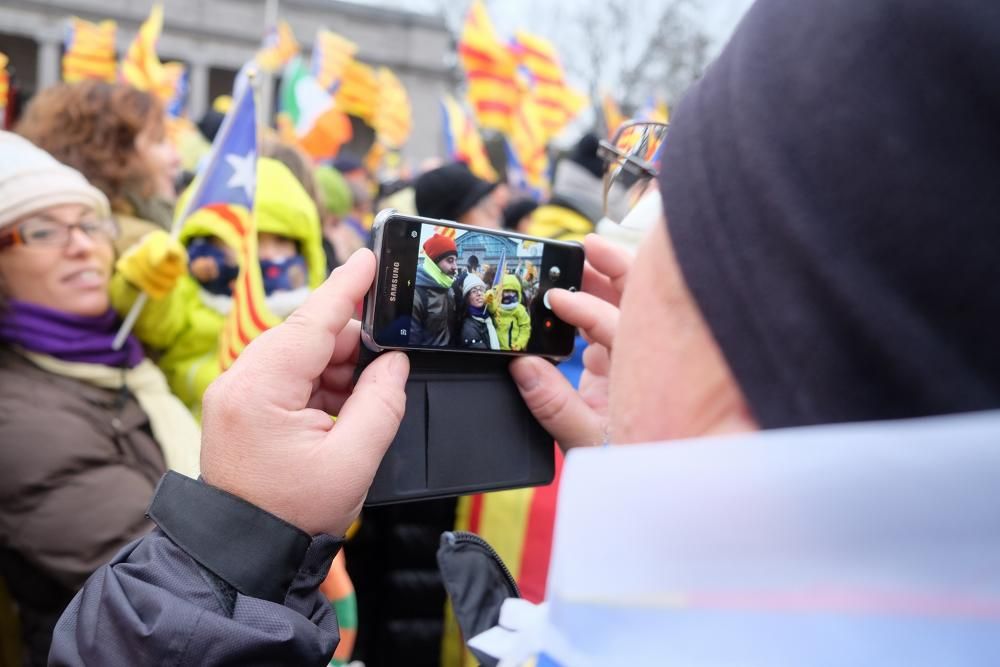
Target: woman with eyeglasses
(116,136)
(86,432)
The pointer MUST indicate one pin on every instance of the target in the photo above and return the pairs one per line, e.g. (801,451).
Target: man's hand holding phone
(579,417)
(267,435)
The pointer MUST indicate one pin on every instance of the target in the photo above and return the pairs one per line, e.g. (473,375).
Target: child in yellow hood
(183,320)
(510,317)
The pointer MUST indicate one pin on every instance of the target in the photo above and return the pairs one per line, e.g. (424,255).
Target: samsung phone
(441,285)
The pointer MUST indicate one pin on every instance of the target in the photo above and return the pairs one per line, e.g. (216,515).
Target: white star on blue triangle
(229,177)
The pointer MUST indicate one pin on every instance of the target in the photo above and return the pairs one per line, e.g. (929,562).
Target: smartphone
(441,285)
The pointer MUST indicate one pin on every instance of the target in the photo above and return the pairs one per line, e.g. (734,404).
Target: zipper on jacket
(462,536)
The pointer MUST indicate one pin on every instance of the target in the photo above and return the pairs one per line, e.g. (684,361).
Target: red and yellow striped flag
(528,159)
(519,525)
(280,46)
(358,92)
(142,68)
(89,51)
(491,71)
(393,115)
(462,140)
(613,116)
(250,315)
(557,102)
(331,54)
(4,89)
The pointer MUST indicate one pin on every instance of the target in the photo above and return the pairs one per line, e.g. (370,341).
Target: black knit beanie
(449,192)
(832,191)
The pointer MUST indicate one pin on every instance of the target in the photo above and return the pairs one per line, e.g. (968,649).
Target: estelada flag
(490,70)
(558,103)
(462,140)
(279,47)
(89,51)
(225,188)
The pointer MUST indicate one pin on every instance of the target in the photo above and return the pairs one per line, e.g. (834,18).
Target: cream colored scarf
(173,426)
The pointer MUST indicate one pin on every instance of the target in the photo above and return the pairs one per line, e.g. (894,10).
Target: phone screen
(453,288)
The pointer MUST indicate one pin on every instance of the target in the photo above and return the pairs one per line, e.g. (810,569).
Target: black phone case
(466,430)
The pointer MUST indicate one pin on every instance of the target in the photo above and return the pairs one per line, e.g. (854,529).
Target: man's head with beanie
(829,246)
(452,192)
(442,251)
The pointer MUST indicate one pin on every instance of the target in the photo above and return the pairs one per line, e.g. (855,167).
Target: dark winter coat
(78,466)
(475,333)
(214,592)
(433,312)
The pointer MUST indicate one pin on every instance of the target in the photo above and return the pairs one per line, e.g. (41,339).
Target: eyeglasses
(632,161)
(44,231)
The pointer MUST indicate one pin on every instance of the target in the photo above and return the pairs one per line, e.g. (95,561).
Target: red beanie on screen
(438,247)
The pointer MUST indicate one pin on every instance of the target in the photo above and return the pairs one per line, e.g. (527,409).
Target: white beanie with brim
(32,180)
(471,282)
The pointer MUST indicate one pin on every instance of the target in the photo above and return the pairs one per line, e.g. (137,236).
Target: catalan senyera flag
(393,114)
(527,157)
(490,69)
(613,116)
(558,103)
(142,68)
(447,232)
(358,93)
(519,525)
(279,47)
(331,54)
(89,51)
(462,140)
(4,89)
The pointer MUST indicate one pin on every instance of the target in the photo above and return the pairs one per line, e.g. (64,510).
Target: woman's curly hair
(92,126)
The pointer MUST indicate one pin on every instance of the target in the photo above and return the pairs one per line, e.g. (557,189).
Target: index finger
(606,268)
(287,359)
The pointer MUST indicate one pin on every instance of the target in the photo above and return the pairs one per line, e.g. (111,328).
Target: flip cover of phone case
(466,430)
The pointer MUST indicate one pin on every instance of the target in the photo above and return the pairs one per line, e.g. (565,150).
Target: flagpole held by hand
(195,200)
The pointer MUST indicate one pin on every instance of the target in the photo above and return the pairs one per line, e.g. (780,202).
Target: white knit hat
(32,180)
(472,281)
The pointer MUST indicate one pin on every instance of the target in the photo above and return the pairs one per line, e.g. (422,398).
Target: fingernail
(525,374)
(399,367)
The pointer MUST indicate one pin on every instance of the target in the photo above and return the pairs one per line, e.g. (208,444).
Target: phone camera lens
(413,234)
(554,273)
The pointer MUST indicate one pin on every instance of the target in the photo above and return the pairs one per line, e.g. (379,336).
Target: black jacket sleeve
(218,582)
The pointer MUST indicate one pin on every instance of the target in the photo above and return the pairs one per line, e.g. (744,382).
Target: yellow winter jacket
(182,328)
(513,326)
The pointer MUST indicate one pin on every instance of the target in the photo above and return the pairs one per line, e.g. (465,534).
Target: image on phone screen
(453,288)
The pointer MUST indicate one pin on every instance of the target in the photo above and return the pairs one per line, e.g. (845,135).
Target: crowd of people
(91,179)
(813,262)
(467,307)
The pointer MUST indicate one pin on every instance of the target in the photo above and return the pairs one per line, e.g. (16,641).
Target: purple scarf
(68,337)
